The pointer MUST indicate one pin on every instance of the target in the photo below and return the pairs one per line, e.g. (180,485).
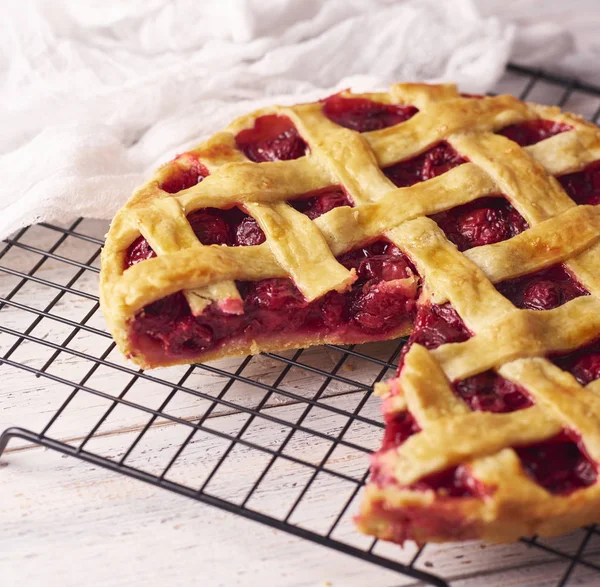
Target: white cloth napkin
(96,93)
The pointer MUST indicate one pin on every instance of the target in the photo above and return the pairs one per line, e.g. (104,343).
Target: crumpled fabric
(96,93)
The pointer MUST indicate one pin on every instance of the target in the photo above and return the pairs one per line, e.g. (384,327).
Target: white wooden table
(65,522)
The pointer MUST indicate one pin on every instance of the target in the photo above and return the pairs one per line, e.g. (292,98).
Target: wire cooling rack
(308,414)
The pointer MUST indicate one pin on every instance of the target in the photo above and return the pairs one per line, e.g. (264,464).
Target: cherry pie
(355,218)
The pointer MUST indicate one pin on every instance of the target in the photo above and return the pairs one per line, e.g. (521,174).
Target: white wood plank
(70,524)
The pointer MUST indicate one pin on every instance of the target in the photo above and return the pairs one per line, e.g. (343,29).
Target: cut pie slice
(493,421)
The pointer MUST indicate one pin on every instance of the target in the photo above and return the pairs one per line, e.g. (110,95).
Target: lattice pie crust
(500,499)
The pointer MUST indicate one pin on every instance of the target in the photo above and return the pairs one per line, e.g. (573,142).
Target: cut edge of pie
(148,355)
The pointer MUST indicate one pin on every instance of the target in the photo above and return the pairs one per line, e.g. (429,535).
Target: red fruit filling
(139,250)
(542,290)
(273,138)
(170,322)
(583,186)
(379,307)
(248,233)
(381,300)
(187,173)
(398,427)
(533,131)
(428,165)
(380,259)
(212,226)
(453,482)
(583,364)
(481,222)
(490,392)
(559,464)
(435,324)
(317,203)
(364,115)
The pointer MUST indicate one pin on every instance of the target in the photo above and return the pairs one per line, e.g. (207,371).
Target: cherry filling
(248,233)
(435,324)
(559,464)
(211,226)
(583,364)
(452,482)
(232,227)
(533,131)
(428,165)
(482,222)
(273,138)
(490,392)
(317,203)
(380,301)
(543,290)
(187,173)
(583,186)
(381,298)
(364,115)
(139,250)
(169,321)
(398,427)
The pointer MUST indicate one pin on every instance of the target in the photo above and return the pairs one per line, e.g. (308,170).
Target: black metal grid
(357,386)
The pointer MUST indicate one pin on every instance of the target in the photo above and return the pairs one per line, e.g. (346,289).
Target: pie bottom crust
(396,514)
(150,356)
